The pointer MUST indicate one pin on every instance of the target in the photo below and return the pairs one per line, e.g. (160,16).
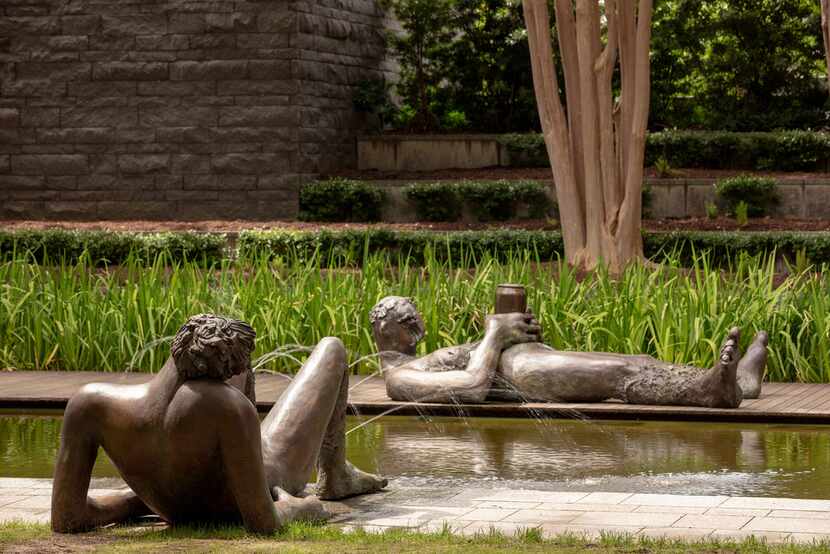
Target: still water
(665,457)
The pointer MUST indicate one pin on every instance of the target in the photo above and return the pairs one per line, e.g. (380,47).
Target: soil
(543,174)
(234,226)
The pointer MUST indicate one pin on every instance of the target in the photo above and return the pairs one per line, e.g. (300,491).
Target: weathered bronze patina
(191,447)
(510,362)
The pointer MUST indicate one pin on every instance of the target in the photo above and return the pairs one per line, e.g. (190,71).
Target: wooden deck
(780,402)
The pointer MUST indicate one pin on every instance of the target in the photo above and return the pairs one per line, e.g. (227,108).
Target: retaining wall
(178,109)
(671,198)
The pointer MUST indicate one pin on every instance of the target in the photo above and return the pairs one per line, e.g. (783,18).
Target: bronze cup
(511,298)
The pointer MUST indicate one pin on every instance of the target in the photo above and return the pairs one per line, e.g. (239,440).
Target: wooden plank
(779,401)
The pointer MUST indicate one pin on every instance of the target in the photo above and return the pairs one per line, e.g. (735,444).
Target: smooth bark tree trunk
(825,32)
(597,147)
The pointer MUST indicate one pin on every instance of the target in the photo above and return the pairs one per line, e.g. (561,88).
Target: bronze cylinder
(510,298)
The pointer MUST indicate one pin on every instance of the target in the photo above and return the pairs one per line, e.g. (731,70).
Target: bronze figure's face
(397,325)
(213,347)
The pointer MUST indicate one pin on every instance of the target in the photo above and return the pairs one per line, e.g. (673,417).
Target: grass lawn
(23,537)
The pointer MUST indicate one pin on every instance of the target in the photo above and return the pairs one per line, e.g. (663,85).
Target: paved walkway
(469,511)
(780,402)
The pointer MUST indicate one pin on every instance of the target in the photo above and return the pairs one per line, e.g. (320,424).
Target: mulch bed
(688,224)
(544,174)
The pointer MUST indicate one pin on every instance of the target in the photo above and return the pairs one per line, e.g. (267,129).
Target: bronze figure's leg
(752,365)
(307,427)
(72,509)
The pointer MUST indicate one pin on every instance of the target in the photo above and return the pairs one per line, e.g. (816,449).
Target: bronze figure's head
(213,347)
(397,325)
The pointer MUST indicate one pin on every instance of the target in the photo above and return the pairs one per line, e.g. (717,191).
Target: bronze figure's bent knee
(510,362)
(190,445)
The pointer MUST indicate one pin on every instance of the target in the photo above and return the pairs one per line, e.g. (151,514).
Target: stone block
(50,164)
(99,117)
(9,118)
(261,116)
(270,69)
(5,163)
(103,89)
(29,26)
(250,163)
(275,21)
(190,163)
(21,182)
(52,71)
(135,210)
(162,42)
(238,22)
(132,25)
(143,163)
(69,209)
(214,70)
(82,135)
(129,71)
(256,87)
(183,134)
(187,23)
(179,116)
(80,24)
(176,88)
(263,40)
(213,40)
(139,134)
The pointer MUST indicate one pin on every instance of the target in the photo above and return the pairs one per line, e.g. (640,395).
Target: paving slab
(470,511)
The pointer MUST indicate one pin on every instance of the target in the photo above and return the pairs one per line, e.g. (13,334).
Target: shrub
(105,247)
(436,201)
(711,210)
(741,213)
(340,200)
(759,194)
(489,200)
(779,150)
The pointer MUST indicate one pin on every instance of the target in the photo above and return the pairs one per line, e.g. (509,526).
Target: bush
(780,150)
(340,200)
(489,200)
(436,201)
(459,246)
(759,194)
(105,247)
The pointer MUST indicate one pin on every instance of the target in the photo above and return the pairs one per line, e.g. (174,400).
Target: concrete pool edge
(779,403)
(468,511)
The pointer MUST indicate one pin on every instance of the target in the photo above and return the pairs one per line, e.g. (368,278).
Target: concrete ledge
(429,152)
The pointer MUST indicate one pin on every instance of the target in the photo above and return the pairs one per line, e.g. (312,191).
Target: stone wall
(178,109)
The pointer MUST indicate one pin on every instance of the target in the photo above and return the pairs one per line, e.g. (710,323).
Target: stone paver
(471,511)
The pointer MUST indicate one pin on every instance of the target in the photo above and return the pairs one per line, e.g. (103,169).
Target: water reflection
(670,457)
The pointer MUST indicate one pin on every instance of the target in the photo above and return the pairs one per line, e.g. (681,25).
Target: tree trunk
(597,148)
(825,32)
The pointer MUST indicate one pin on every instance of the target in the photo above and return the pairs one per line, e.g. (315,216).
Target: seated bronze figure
(190,444)
(510,362)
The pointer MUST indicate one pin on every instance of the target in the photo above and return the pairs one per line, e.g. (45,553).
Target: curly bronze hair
(213,347)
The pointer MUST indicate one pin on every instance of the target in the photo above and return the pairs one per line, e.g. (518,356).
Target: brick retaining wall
(178,109)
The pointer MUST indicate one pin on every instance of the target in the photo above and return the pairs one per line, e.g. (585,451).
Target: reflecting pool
(627,456)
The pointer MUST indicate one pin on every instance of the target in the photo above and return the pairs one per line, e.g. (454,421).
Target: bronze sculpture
(191,447)
(510,362)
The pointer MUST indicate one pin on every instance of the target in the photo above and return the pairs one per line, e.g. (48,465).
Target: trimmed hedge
(340,199)
(106,247)
(331,246)
(489,200)
(759,193)
(547,245)
(778,150)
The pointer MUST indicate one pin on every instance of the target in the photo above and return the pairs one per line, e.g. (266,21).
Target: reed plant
(76,316)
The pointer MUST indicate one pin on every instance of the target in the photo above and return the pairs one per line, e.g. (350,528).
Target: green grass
(309,538)
(78,317)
